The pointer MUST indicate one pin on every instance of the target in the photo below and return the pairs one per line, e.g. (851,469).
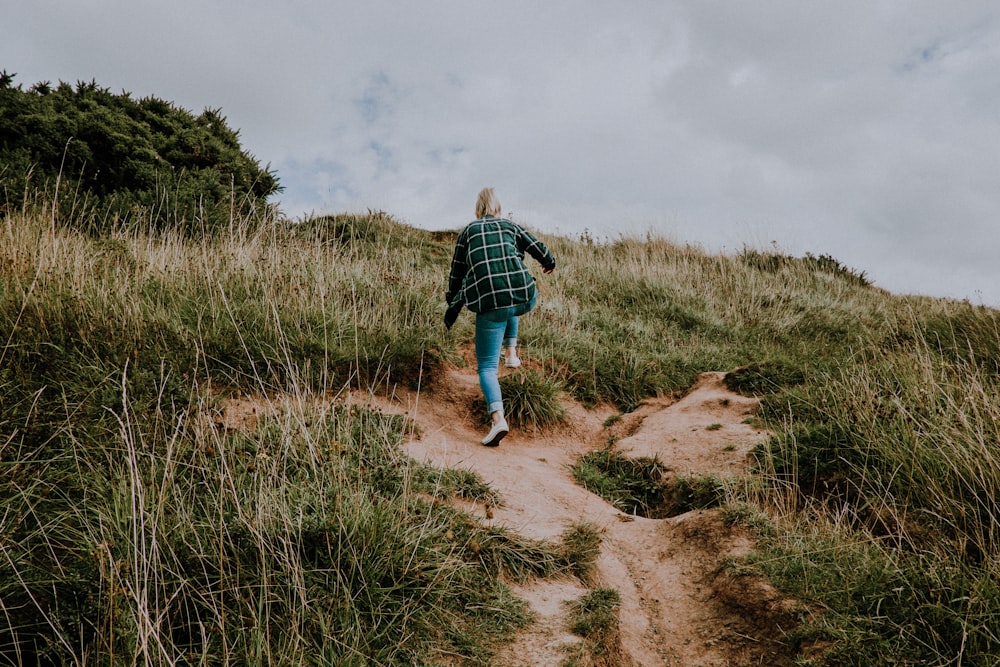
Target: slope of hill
(144,519)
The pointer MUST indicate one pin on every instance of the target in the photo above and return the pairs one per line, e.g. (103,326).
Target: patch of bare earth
(678,607)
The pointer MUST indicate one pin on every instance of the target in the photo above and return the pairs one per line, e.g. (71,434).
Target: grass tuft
(762,378)
(581,545)
(532,400)
(642,486)
(633,485)
(595,618)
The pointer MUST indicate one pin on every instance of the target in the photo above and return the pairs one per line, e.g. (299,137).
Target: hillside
(259,447)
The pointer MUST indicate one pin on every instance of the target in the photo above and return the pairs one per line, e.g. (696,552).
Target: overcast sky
(863,129)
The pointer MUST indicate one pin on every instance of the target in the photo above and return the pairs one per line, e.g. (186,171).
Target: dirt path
(676,609)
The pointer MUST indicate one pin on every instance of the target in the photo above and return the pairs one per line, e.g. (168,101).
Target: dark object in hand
(451,314)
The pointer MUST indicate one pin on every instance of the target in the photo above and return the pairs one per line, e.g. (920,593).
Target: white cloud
(865,130)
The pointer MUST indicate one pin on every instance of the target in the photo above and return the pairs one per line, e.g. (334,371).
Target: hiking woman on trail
(489,277)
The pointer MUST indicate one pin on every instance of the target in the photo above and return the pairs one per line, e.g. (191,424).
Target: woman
(488,275)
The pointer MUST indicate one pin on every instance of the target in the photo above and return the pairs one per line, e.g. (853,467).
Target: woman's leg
(510,333)
(490,328)
(510,342)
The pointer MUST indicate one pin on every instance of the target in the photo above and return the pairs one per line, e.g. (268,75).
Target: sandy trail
(672,611)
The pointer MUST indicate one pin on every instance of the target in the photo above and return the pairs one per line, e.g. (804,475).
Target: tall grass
(884,411)
(632,318)
(135,530)
(131,527)
(899,449)
(301,541)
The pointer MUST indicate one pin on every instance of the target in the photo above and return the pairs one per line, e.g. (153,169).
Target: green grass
(642,486)
(761,378)
(581,545)
(123,512)
(297,540)
(453,483)
(532,400)
(595,614)
(873,604)
(135,530)
(594,617)
(634,486)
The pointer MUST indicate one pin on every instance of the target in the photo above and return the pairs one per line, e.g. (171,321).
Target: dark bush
(111,159)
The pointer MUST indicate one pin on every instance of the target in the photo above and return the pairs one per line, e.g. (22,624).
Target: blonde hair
(487,203)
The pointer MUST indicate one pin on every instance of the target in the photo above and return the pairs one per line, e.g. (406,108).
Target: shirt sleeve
(459,268)
(526,242)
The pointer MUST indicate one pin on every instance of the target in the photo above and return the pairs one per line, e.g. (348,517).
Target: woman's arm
(459,267)
(536,249)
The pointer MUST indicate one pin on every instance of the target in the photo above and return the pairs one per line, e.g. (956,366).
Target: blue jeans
(494,329)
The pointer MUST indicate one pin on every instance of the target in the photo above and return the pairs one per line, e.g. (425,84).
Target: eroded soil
(678,606)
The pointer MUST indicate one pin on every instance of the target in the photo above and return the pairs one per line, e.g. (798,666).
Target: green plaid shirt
(488,270)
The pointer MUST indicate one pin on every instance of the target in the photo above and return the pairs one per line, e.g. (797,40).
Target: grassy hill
(134,527)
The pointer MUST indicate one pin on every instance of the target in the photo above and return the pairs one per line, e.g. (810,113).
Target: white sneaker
(512,362)
(496,433)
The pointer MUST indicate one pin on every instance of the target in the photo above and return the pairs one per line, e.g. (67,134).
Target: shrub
(112,160)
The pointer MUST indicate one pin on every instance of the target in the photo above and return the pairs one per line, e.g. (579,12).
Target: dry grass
(120,506)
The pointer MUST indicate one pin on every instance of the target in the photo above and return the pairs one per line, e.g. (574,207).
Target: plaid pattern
(488,270)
